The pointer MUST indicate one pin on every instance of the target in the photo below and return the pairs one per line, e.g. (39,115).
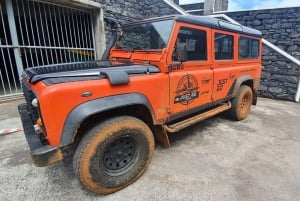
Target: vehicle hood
(117,73)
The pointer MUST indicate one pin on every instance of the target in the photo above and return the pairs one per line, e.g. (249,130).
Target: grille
(29,96)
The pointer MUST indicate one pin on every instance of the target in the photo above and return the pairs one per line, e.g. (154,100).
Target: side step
(188,122)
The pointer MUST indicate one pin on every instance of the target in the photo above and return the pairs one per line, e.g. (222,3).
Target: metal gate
(35,33)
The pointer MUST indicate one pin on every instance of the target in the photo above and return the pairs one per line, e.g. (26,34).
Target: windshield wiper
(124,48)
(140,48)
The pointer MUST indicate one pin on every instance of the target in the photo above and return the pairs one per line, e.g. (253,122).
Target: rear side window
(248,48)
(223,46)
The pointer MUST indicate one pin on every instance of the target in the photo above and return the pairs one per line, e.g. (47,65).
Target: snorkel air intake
(114,27)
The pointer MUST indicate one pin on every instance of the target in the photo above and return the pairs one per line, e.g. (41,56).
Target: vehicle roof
(208,22)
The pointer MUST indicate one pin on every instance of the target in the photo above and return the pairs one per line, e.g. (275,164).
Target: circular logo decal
(187,90)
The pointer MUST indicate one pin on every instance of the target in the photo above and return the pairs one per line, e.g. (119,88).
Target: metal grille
(29,96)
(35,33)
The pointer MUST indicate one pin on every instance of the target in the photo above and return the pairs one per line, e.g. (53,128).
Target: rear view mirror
(181,52)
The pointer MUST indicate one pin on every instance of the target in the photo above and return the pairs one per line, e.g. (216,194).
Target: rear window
(248,48)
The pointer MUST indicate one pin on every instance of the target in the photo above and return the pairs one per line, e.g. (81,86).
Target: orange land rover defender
(156,77)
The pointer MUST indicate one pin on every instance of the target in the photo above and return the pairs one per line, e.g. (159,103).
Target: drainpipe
(270,45)
(297,98)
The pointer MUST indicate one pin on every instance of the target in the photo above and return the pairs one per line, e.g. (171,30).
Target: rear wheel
(113,154)
(241,104)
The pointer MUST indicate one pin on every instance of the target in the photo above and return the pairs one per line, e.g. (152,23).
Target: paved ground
(218,159)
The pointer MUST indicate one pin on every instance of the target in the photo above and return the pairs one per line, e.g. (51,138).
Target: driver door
(191,78)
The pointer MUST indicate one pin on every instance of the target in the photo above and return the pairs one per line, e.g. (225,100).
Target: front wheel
(113,154)
(241,104)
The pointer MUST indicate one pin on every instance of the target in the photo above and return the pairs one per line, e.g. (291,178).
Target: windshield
(152,35)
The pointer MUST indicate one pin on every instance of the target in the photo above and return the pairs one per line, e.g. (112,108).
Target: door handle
(206,80)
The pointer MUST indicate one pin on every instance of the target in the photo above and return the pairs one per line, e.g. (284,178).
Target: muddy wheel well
(248,83)
(139,111)
(251,85)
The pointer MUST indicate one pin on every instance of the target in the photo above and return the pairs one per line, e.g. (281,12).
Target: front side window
(223,46)
(151,35)
(195,43)
(248,48)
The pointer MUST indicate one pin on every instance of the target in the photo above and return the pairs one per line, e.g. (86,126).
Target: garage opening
(44,33)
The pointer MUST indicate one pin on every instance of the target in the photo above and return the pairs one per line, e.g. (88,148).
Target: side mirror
(181,52)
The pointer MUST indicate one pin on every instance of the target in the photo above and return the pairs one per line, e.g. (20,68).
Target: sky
(235,5)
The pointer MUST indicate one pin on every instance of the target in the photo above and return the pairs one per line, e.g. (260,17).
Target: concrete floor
(218,159)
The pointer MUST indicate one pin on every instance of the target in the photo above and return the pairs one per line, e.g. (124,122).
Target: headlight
(34,102)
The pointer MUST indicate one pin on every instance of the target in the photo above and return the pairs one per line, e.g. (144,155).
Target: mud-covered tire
(241,104)
(113,154)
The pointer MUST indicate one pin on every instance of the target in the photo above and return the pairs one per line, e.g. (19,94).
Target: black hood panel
(84,71)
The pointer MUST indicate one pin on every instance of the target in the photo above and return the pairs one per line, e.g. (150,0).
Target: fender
(89,108)
(239,82)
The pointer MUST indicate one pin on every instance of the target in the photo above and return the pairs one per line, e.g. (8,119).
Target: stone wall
(133,10)
(128,11)
(194,6)
(282,28)
(123,11)
(156,8)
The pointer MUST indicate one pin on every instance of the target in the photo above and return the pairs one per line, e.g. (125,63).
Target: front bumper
(42,155)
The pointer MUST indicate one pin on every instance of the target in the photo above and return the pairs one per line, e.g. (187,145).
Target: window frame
(232,35)
(206,34)
(249,47)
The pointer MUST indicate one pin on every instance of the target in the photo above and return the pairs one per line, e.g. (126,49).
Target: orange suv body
(169,72)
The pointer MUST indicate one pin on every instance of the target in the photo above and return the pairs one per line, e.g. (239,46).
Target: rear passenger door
(224,70)
(191,81)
